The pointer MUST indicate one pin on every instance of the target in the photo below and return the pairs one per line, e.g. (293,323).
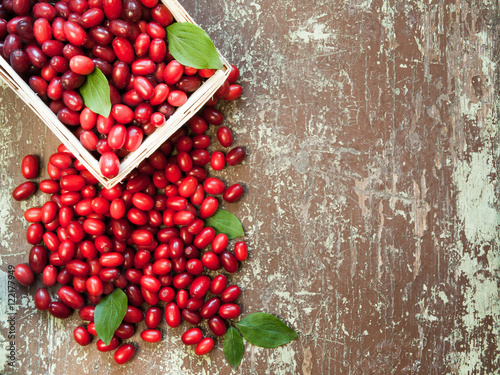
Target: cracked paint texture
(371,209)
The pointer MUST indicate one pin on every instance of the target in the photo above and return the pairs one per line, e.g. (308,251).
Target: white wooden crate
(182,114)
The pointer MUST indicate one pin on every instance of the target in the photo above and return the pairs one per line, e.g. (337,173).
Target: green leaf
(95,93)
(265,330)
(225,222)
(233,347)
(109,314)
(191,46)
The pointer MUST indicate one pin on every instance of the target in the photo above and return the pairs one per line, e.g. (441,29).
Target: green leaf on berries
(233,347)
(109,313)
(225,222)
(265,330)
(95,93)
(191,46)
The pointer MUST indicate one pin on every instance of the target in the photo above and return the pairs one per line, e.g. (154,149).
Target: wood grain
(372,193)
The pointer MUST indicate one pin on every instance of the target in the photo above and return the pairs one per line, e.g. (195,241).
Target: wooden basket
(182,114)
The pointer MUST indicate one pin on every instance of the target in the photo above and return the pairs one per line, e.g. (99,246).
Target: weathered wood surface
(372,193)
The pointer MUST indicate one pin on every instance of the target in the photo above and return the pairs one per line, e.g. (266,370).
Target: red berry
(82,336)
(124,353)
(24,191)
(24,274)
(151,335)
(29,166)
(109,164)
(204,346)
(192,336)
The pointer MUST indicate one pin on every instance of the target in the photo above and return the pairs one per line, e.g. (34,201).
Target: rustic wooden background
(372,192)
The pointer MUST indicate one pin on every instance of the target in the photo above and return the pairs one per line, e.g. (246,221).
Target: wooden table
(371,208)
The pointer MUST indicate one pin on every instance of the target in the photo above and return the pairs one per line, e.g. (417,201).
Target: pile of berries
(146,236)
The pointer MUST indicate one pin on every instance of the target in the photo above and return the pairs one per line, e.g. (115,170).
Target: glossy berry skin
(177,98)
(49,275)
(34,234)
(38,258)
(81,65)
(235,156)
(122,114)
(206,73)
(19,61)
(112,8)
(228,261)
(70,297)
(102,347)
(204,346)
(42,299)
(33,215)
(167,294)
(72,183)
(82,336)
(217,325)
(212,116)
(194,304)
(204,238)
(59,310)
(87,313)
(151,335)
(210,308)
(188,186)
(123,49)
(225,136)
(200,286)
(192,336)
(24,275)
(125,331)
(229,311)
(159,13)
(211,261)
(219,284)
(173,72)
(233,75)
(194,266)
(182,299)
(29,166)
(94,286)
(60,160)
(230,293)
(49,211)
(91,329)
(219,243)
(124,353)
(217,160)
(241,251)
(214,186)
(92,17)
(143,88)
(133,315)
(153,317)
(172,314)
(74,33)
(150,283)
(109,164)
(117,136)
(24,191)
(233,193)
(234,92)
